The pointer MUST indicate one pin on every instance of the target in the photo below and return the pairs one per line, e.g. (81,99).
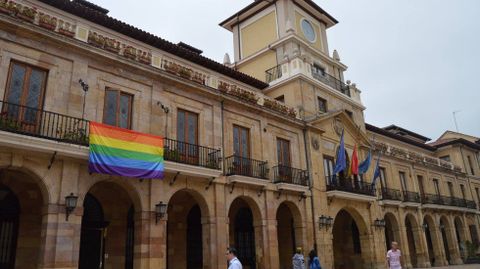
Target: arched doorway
(445,241)
(21,218)
(108,228)
(460,236)
(350,241)
(412,248)
(392,231)
(289,233)
(429,228)
(244,235)
(9,215)
(186,235)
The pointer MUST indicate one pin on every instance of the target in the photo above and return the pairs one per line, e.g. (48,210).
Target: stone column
(439,251)
(378,244)
(221,232)
(421,246)
(407,262)
(455,257)
(149,248)
(325,246)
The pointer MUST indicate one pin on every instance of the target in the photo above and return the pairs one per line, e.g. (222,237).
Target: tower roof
(257,6)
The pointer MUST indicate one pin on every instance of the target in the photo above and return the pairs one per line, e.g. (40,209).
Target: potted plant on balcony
(9,7)
(145,58)
(48,22)
(185,72)
(130,52)
(27,14)
(76,135)
(66,29)
(198,78)
(243,94)
(223,87)
(170,67)
(8,123)
(112,45)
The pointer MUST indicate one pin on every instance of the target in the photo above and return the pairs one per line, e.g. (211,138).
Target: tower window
(322,105)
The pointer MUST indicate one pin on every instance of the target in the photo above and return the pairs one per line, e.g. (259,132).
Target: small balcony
(349,185)
(391,194)
(62,128)
(191,154)
(411,197)
(236,165)
(273,73)
(289,175)
(448,201)
(43,124)
(471,204)
(331,81)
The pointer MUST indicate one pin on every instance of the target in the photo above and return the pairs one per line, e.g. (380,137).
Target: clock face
(308,30)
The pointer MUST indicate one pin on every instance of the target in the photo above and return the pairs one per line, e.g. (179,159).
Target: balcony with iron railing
(335,183)
(412,197)
(236,165)
(448,201)
(391,194)
(331,81)
(62,128)
(273,73)
(290,175)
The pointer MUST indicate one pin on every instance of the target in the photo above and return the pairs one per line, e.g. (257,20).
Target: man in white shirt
(393,257)
(233,261)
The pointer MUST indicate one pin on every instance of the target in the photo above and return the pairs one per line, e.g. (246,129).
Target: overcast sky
(415,61)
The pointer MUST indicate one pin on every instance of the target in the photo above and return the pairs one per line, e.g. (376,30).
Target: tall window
(241,141)
(280,98)
(26,87)
(383,178)
(403,181)
(462,189)
(445,158)
(328,168)
(478,194)
(322,105)
(283,152)
(469,159)
(318,70)
(450,189)
(118,108)
(420,185)
(187,127)
(437,187)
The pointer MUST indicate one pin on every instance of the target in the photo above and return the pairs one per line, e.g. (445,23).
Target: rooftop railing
(331,81)
(273,73)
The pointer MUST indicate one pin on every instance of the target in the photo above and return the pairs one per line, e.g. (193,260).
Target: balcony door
(187,135)
(284,161)
(241,150)
(24,96)
(118,108)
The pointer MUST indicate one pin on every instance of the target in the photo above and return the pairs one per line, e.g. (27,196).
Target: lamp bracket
(302,196)
(260,191)
(172,181)
(52,159)
(210,182)
(232,186)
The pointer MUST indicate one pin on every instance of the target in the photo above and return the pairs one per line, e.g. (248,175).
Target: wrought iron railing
(335,183)
(236,165)
(471,204)
(44,124)
(273,73)
(448,201)
(285,174)
(332,82)
(192,154)
(410,196)
(391,194)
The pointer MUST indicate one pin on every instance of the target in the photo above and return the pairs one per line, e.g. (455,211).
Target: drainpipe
(223,137)
(308,160)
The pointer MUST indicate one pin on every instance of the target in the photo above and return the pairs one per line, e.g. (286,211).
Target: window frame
(240,129)
(281,143)
(324,102)
(403,180)
(185,126)
(119,94)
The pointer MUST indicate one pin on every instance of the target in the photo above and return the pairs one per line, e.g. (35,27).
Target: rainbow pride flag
(122,152)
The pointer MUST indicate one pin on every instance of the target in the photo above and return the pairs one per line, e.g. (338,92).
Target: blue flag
(341,162)
(363,167)
(376,174)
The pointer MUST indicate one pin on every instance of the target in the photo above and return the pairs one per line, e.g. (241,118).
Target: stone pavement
(465,266)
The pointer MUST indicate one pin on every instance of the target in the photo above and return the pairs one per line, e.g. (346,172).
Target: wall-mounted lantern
(70,204)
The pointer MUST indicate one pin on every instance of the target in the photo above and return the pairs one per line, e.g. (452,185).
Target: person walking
(313,261)
(393,257)
(298,260)
(233,261)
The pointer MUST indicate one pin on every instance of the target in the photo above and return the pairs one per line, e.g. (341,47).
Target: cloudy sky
(416,62)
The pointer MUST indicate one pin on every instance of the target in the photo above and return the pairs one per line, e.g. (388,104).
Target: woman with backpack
(313,261)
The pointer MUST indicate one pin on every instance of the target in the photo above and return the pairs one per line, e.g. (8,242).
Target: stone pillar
(378,244)
(150,241)
(325,246)
(209,249)
(60,238)
(221,232)
(422,248)
(407,262)
(455,257)
(438,249)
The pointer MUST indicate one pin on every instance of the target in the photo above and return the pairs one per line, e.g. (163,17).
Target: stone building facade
(249,150)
